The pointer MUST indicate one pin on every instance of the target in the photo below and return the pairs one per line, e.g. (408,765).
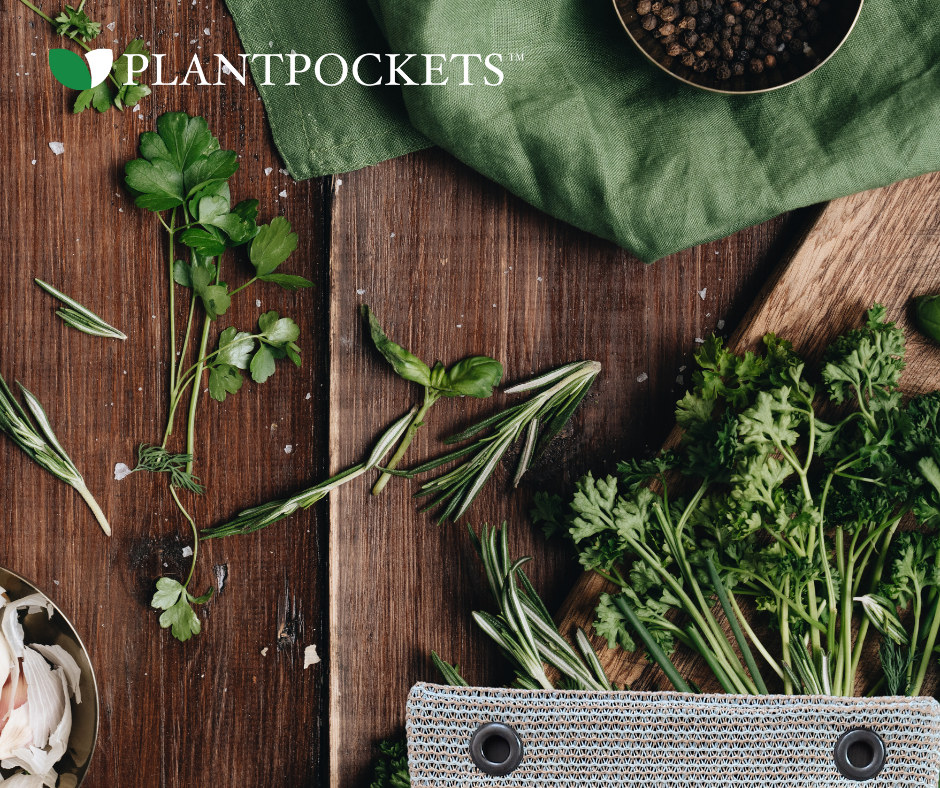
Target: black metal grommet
(495,748)
(860,754)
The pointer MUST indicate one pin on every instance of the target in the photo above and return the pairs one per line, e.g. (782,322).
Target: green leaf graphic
(69,69)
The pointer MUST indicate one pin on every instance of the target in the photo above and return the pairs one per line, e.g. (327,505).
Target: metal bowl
(59,631)
(844,16)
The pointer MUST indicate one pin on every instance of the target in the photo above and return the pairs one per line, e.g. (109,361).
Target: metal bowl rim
(91,667)
(739,92)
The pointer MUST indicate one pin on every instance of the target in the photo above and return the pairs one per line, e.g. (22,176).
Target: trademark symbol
(516,56)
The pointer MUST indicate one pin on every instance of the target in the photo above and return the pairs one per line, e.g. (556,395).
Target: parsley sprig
(183,176)
(73,23)
(797,513)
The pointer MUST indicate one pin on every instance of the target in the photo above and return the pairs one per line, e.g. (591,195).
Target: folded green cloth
(589,131)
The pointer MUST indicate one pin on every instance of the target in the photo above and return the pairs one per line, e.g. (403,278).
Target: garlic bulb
(36,684)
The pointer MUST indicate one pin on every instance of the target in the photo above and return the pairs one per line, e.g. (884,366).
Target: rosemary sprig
(81,318)
(262,516)
(524,629)
(543,417)
(156,459)
(41,444)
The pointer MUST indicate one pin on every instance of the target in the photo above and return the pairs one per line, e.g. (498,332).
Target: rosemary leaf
(41,444)
(79,317)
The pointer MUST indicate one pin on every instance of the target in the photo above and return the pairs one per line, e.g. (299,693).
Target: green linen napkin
(587,130)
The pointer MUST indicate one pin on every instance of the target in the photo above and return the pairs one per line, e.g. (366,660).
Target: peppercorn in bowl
(739,46)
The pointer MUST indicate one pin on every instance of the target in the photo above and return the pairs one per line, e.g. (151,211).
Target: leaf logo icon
(70,70)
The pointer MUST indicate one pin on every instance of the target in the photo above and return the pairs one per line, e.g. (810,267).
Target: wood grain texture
(213,711)
(453,266)
(879,246)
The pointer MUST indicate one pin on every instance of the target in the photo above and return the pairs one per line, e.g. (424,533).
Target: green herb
(523,629)
(183,176)
(450,673)
(156,459)
(541,418)
(40,443)
(75,24)
(391,768)
(472,377)
(79,317)
(262,516)
(779,506)
(927,310)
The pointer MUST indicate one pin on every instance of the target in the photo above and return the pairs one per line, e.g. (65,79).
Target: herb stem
(239,289)
(927,654)
(95,509)
(172,331)
(416,422)
(192,524)
(754,639)
(36,10)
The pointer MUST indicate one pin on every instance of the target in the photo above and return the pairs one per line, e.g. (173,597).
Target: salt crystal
(699,341)
(288,449)
(362,291)
(206,30)
(310,656)
(187,551)
(680,379)
(268,170)
(339,181)
(34,161)
(193,41)
(283,171)
(110,25)
(642,377)
(270,43)
(282,193)
(120,471)
(57,148)
(56,582)
(392,235)
(257,302)
(308,396)
(226,69)
(264,651)
(721,324)
(701,293)
(682,368)
(136,108)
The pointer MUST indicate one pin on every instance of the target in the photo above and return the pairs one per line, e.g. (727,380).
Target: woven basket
(665,739)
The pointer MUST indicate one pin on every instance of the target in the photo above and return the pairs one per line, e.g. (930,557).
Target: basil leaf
(406,365)
(474,377)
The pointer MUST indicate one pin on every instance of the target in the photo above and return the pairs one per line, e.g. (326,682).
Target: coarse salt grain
(310,656)
(701,293)
(721,324)
(642,377)
(268,170)
(282,193)
(288,449)
(57,148)
(187,551)
(121,471)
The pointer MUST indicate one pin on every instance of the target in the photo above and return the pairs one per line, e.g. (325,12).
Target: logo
(70,70)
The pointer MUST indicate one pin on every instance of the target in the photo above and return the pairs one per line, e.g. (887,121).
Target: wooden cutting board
(878,246)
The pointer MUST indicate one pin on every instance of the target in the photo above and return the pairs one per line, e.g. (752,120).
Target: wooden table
(453,265)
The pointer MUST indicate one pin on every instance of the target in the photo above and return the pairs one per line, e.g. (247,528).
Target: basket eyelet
(860,754)
(496,749)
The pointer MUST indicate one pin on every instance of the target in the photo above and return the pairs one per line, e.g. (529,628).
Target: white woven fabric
(667,740)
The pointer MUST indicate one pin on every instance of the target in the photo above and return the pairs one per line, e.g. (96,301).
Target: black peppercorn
(704,19)
(675,49)
(786,36)
(757,65)
(796,46)
(643,7)
(667,40)
(727,51)
(774,26)
(726,34)
(815,28)
(737,30)
(769,40)
(736,7)
(690,6)
(784,57)
(752,29)
(810,14)
(691,39)
(723,72)
(748,43)
(759,51)
(718,10)
(707,43)
(701,65)
(736,41)
(667,29)
(776,5)
(768,14)
(668,14)
(737,69)
(648,22)
(688,59)
(770,61)
(790,9)
(705,5)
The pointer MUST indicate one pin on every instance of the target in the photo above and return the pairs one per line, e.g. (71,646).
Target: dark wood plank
(878,246)
(454,265)
(212,711)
